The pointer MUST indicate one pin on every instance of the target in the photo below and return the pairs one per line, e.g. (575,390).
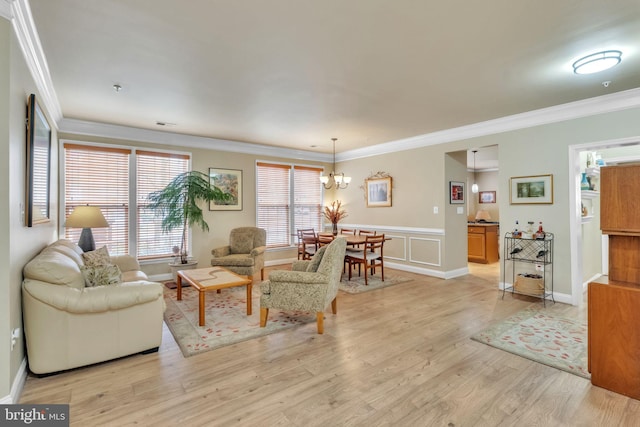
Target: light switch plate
(460,210)
(435,209)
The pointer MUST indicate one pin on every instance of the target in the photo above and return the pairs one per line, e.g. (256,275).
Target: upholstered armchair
(245,252)
(310,286)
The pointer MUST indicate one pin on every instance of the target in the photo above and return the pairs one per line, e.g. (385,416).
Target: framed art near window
(38,165)
(536,189)
(229,181)
(487,197)
(378,191)
(456,193)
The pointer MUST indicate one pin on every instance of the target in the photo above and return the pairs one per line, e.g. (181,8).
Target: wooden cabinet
(619,218)
(614,336)
(619,201)
(614,304)
(482,243)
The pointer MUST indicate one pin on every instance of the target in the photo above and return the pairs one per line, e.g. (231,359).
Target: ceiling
(295,73)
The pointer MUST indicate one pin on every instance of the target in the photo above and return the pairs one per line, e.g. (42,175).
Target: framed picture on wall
(536,189)
(456,193)
(229,181)
(378,192)
(487,197)
(38,164)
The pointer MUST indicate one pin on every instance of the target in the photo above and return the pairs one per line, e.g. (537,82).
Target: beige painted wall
(21,242)
(487,181)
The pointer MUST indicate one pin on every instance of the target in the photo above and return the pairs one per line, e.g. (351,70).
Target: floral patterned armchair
(310,286)
(245,252)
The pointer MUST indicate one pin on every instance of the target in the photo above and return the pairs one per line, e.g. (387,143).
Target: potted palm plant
(177,204)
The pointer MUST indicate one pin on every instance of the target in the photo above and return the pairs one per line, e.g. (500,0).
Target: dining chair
(325,239)
(369,258)
(307,243)
(348,231)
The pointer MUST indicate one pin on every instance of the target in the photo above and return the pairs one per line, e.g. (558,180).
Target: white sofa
(68,325)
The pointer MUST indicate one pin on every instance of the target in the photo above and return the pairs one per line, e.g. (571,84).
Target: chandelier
(339,179)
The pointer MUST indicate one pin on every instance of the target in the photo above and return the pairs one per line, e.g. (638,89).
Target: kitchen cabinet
(482,243)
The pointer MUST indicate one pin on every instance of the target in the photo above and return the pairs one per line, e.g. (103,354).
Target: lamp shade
(86,217)
(483,215)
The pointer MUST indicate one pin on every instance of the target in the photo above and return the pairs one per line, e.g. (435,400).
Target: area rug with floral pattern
(226,320)
(544,338)
(356,284)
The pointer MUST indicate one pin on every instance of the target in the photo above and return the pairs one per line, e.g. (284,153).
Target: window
(154,171)
(289,197)
(104,177)
(99,176)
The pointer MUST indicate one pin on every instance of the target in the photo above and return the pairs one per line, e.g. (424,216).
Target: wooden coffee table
(209,279)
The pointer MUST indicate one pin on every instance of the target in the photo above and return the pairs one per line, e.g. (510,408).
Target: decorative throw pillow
(315,260)
(97,258)
(101,275)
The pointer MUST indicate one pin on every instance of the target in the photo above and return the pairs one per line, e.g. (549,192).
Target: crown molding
(19,12)
(558,113)
(5,9)
(104,130)
(29,41)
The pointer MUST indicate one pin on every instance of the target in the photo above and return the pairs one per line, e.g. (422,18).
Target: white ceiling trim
(80,127)
(24,26)
(573,110)
(5,9)
(29,41)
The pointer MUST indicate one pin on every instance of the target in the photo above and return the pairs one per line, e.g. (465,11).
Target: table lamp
(482,215)
(86,217)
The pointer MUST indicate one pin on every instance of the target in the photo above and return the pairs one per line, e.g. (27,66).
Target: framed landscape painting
(229,181)
(536,189)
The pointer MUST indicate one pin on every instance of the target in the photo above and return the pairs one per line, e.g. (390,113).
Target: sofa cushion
(101,275)
(133,276)
(241,242)
(97,258)
(69,244)
(56,268)
(65,250)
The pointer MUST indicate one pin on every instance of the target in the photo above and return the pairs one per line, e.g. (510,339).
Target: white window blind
(154,172)
(274,198)
(99,176)
(307,193)
(289,197)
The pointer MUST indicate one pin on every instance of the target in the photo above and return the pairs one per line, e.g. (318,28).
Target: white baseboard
(585,285)
(17,386)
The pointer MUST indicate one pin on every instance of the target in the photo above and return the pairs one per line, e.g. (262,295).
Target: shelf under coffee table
(209,279)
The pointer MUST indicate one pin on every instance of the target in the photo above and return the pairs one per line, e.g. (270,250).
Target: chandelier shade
(338,179)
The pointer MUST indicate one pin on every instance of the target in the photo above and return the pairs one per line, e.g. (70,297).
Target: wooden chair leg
(320,322)
(264,314)
(262,273)
(366,267)
(334,305)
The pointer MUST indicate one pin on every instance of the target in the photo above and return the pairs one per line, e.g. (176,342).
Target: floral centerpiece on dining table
(335,213)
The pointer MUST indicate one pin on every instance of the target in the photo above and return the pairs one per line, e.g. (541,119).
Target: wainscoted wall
(414,249)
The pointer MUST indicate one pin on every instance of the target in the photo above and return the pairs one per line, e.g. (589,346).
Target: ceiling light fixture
(339,179)
(474,187)
(597,62)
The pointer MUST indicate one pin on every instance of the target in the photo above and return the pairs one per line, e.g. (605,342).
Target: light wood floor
(398,356)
